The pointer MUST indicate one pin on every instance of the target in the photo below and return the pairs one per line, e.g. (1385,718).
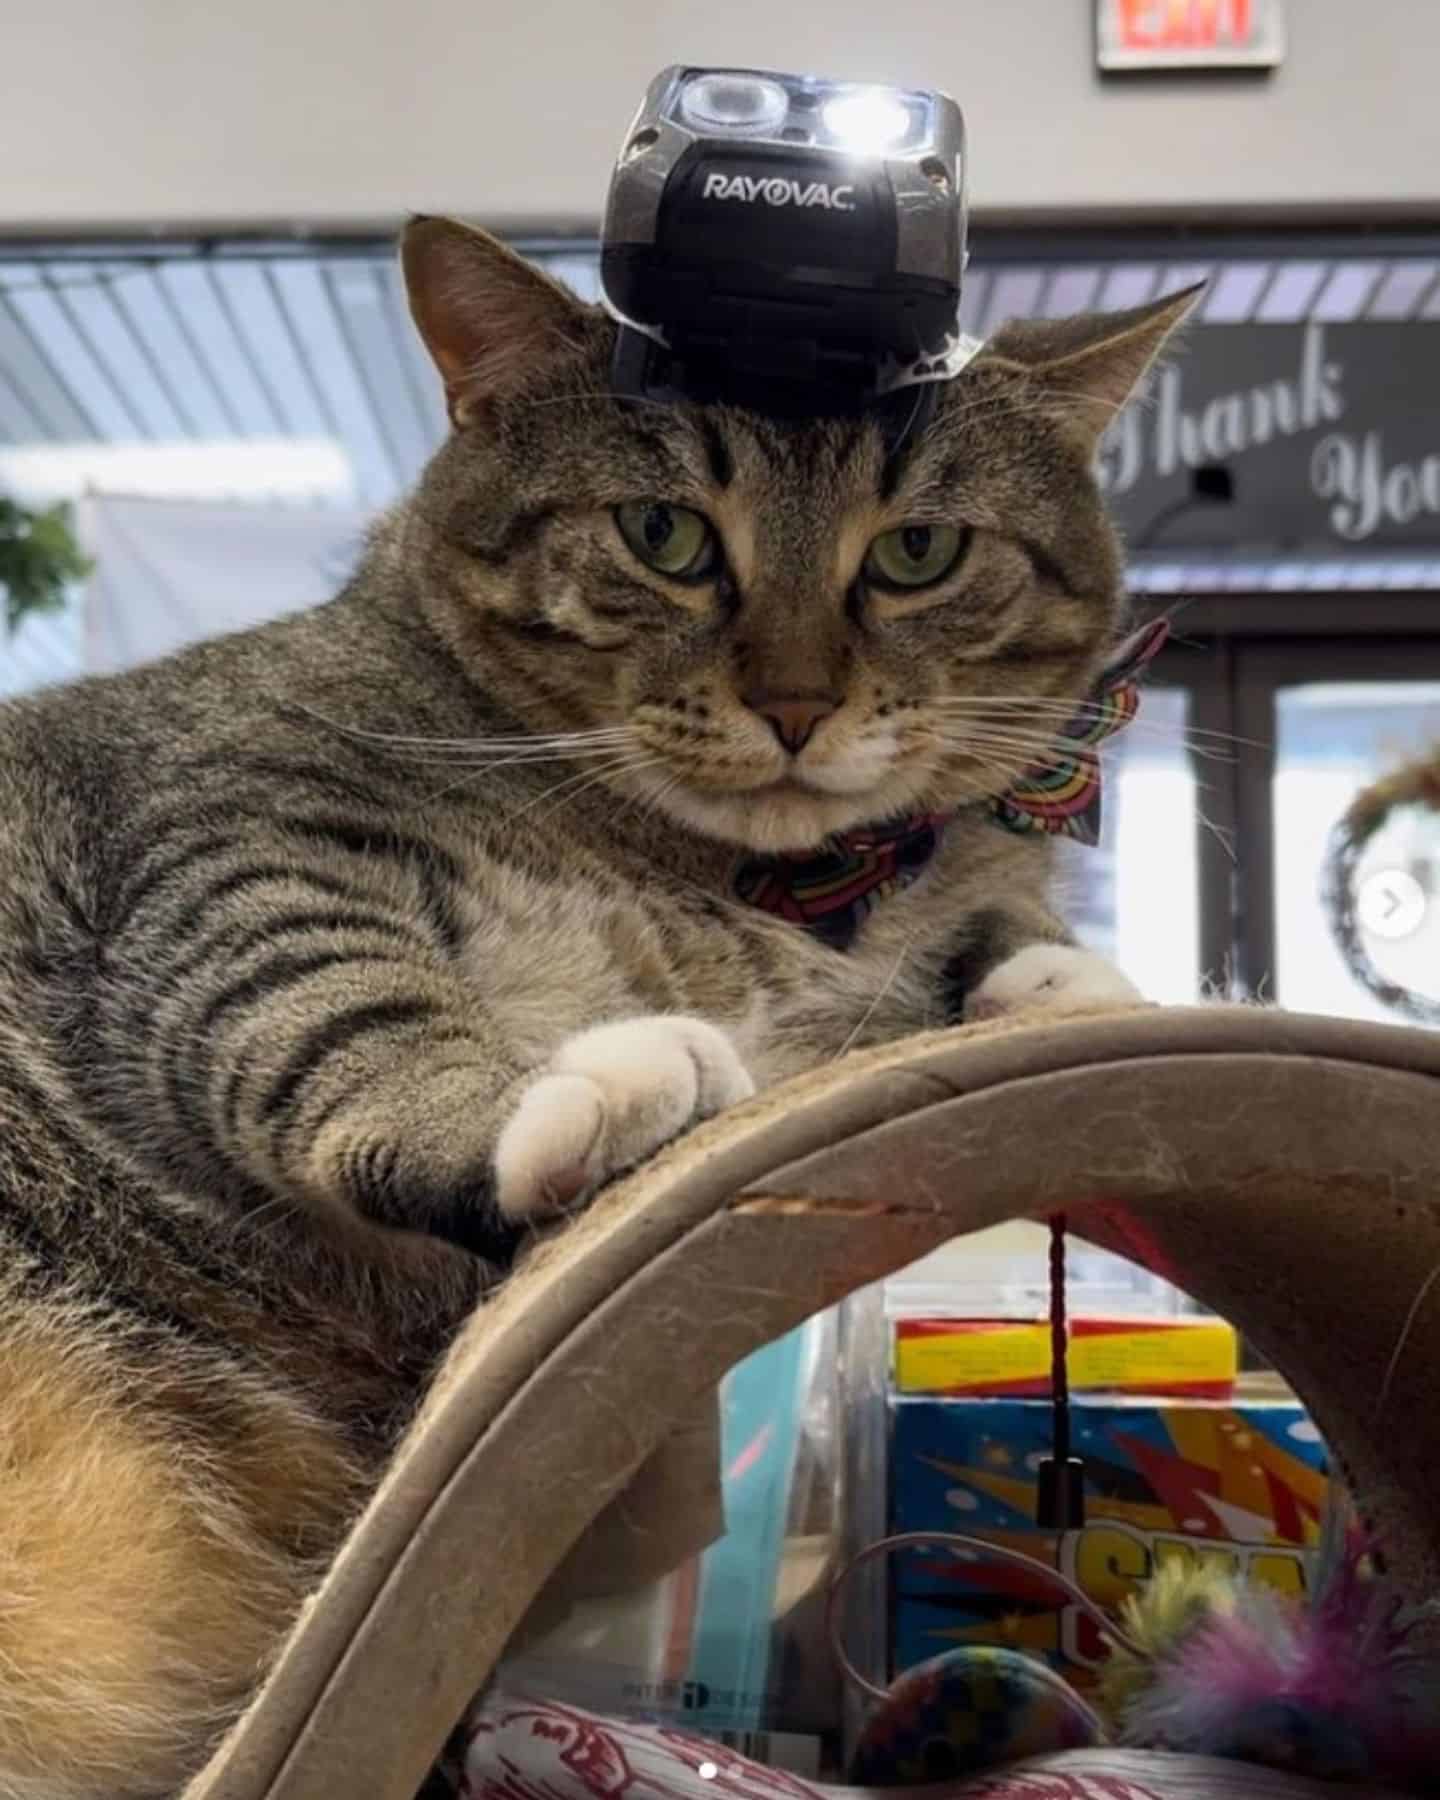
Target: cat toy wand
(788,244)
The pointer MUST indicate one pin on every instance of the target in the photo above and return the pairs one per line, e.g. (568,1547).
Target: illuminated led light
(867,121)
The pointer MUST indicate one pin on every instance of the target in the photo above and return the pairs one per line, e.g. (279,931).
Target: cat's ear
(1092,364)
(486,315)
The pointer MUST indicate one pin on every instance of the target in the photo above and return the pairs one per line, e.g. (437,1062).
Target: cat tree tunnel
(1283,1168)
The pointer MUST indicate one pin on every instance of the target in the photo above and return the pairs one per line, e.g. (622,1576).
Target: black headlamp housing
(785,243)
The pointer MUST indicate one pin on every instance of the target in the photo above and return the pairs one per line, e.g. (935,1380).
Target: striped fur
(289,923)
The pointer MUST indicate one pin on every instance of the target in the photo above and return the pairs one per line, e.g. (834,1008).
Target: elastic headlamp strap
(641,368)
(904,417)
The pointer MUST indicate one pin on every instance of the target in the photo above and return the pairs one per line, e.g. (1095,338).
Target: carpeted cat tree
(1287,1168)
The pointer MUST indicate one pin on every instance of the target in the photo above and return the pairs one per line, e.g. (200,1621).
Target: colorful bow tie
(831,892)
(1062,794)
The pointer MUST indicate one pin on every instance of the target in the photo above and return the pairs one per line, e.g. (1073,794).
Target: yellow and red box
(1188,1356)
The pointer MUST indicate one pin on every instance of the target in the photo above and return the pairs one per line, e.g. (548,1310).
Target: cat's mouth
(858,772)
(794,811)
(814,783)
(748,793)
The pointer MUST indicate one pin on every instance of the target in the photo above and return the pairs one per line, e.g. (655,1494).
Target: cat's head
(774,633)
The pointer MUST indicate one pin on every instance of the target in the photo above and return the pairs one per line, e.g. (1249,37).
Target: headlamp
(786,243)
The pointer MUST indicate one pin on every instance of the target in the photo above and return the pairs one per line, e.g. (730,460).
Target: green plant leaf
(39,559)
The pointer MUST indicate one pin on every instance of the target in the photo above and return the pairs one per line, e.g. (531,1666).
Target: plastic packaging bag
(730,1643)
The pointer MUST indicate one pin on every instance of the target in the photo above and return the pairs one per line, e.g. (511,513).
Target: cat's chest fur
(589,924)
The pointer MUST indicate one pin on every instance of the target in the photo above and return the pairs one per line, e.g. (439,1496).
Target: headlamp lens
(867,122)
(745,103)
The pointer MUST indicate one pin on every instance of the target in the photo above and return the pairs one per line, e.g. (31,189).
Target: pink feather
(1342,1683)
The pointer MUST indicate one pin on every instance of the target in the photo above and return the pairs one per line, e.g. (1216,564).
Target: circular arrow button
(1391,904)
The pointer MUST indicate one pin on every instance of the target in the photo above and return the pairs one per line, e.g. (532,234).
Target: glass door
(1319,723)
(1135,896)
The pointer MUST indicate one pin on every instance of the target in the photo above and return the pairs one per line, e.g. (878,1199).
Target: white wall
(175,113)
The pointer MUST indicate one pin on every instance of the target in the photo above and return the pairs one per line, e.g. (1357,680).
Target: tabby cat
(334,953)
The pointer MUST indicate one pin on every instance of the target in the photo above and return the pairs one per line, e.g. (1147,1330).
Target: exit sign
(1189,34)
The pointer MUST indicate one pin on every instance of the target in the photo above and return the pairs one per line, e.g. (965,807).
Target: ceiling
(220,348)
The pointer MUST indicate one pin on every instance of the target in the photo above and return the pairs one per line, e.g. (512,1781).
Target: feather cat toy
(1342,1686)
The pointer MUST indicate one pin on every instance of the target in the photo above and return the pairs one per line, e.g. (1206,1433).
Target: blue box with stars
(1242,1480)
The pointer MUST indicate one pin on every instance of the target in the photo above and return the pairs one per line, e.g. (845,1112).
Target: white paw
(1055,977)
(608,1098)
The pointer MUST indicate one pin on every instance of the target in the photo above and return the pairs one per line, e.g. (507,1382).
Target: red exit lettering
(1183,24)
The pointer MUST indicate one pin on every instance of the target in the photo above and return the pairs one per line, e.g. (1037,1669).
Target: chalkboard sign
(1329,436)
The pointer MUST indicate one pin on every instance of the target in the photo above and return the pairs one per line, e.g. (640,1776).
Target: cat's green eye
(671,539)
(914,556)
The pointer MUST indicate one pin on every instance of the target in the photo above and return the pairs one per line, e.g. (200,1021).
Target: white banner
(170,572)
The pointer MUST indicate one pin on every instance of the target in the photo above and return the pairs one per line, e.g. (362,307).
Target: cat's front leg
(447,1149)
(289,1016)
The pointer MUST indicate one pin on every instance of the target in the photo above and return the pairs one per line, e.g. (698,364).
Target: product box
(1242,1482)
(1189,1355)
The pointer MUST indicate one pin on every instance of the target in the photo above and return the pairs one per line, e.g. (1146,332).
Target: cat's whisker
(1045,747)
(1025,743)
(996,752)
(984,732)
(515,740)
(668,785)
(1058,739)
(597,781)
(1059,718)
(1041,750)
(892,976)
(1223,837)
(1069,709)
(476,768)
(460,781)
(585,779)
(998,772)
(518,759)
(650,803)
(1154,732)
(480,768)
(514,747)
(523,746)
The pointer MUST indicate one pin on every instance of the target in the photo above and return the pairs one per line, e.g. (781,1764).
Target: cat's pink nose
(792,717)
